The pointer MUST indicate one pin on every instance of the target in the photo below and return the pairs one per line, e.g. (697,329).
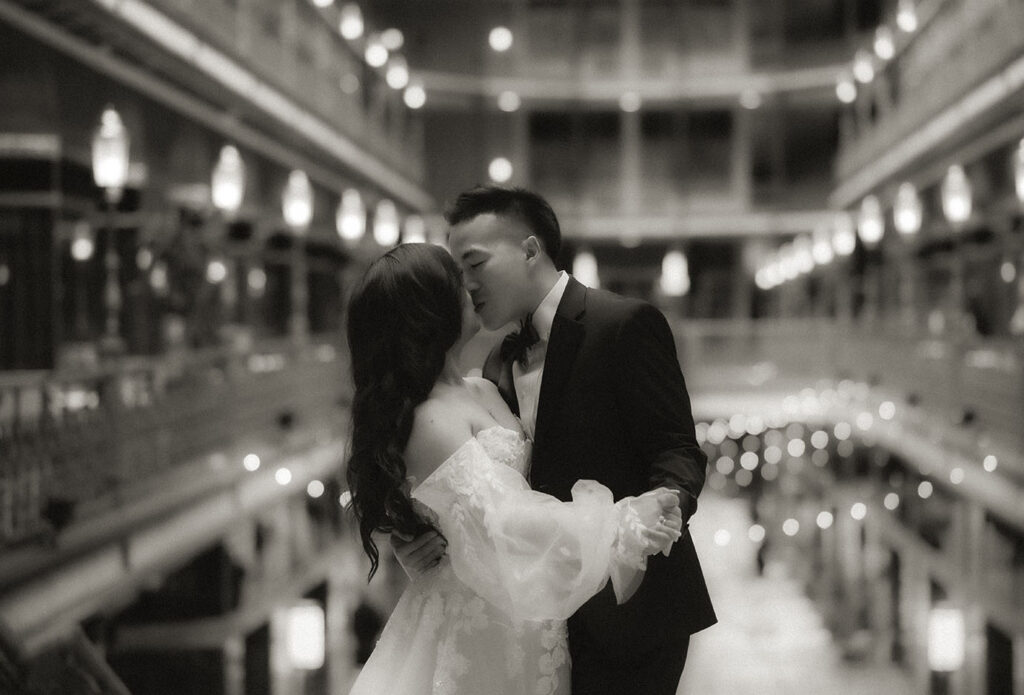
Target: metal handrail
(963,383)
(74,440)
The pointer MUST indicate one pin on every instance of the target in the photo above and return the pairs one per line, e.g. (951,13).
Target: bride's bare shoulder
(481,385)
(489,397)
(439,428)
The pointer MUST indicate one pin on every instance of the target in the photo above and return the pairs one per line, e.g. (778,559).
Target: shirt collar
(544,314)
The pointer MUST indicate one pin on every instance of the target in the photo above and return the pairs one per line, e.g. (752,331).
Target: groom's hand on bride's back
(419,554)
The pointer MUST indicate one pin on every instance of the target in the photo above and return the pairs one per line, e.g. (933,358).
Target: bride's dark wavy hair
(403,317)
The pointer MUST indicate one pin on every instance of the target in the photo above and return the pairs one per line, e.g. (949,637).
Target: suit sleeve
(656,405)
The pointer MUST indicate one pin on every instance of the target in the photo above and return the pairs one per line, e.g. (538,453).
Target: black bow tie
(516,343)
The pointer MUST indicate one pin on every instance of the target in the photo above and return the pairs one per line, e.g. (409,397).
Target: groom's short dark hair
(518,203)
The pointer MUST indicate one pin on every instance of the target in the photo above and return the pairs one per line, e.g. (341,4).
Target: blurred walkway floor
(770,639)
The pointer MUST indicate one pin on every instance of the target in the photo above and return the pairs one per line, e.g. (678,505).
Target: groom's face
(495,267)
(470,321)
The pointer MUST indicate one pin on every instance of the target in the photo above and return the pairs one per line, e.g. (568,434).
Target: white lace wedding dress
(490,619)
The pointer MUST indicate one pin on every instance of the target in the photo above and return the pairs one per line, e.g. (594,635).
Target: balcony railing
(684,38)
(971,387)
(963,43)
(931,383)
(300,55)
(73,445)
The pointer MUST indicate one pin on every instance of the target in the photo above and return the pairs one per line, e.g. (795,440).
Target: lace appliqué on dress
(630,548)
(467,614)
(554,640)
(506,446)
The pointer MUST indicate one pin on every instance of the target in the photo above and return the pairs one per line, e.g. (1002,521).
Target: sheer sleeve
(527,553)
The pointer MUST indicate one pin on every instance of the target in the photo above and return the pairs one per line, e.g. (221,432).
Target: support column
(234,665)
(909,309)
(958,319)
(519,22)
(741,31)
(299,319)
(519,145)
(916,594)
(826,289)
(243,307)
(972,557)
(631,181)
(879,609)
(871,282)
(631,178)
(742,156)
(630,38)
(112,344)
(855,561)
(743,287)
(778,147)
(844,291)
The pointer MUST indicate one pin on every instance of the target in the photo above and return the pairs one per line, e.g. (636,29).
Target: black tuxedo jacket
(614,408)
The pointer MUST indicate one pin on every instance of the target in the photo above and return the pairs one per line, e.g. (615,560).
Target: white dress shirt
(527,380)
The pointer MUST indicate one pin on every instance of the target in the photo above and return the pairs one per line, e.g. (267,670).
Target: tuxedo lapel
(507,387)
(563,344)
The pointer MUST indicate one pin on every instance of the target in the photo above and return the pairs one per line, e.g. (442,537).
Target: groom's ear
(531,247)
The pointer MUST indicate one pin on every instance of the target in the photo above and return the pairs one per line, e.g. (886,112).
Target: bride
(432,450)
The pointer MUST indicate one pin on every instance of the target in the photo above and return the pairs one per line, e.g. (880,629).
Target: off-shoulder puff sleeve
(529,554)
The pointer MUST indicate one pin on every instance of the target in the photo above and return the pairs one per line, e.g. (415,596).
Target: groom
(596,381)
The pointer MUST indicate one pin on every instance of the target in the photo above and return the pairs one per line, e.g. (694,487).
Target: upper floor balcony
(299,50)
(142,435)
(270,64)
(948,402)
(952,78)
(685,172)
(127,488)
(921,432)
(614,40)
(664,51)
